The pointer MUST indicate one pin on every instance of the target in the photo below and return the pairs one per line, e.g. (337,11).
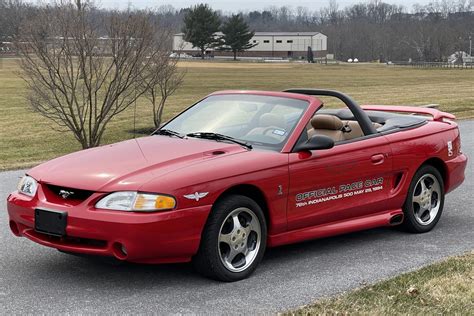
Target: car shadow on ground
(98,270)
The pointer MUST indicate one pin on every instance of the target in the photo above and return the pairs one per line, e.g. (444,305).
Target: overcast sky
(245,5)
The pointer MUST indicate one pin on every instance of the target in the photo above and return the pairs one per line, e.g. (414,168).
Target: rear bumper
(455,172)
(172,236)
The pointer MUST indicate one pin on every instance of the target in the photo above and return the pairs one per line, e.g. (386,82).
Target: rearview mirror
(316,142)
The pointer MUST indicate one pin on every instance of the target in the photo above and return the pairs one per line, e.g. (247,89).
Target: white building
(269,44)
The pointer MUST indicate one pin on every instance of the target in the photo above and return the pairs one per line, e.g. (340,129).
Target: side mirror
(316,142)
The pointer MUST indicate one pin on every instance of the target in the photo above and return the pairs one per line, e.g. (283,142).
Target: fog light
(119,251)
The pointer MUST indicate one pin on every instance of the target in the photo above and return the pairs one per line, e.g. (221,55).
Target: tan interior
(334,127)
(353,131)
(328,125)
(268,122)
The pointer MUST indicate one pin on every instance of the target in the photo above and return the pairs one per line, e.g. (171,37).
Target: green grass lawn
(27,139)
(445,288)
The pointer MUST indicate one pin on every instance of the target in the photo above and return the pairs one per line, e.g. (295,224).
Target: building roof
(275,33)
(286,33)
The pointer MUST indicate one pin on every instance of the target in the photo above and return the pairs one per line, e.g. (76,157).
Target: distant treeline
(368,31)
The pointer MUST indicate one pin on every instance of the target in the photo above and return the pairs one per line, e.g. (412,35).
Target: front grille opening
(69,194)
(73,241)
(94,243)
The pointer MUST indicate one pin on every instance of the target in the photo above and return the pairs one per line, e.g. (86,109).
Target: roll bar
(359,114)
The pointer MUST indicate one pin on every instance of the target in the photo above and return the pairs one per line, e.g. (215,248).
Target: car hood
(129,164)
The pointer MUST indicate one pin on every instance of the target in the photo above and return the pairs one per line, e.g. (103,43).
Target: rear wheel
(425,200)
(233,241)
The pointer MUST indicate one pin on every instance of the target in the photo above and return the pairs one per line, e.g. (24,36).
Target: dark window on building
(266,41)
(278,41)
(289,41)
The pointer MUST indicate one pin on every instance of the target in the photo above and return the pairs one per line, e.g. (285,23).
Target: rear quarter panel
(412,148)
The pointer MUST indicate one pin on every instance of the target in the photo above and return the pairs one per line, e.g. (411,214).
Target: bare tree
(160,81)
(12,13)
(81,78)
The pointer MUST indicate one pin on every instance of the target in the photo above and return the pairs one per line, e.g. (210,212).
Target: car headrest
(325,121)
(270,119)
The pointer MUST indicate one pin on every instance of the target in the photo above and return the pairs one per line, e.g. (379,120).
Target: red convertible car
(240,171)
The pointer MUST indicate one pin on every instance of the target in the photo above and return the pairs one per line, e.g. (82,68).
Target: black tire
(208,259)
(410,222)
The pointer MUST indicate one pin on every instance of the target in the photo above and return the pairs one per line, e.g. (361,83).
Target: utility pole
(470,45)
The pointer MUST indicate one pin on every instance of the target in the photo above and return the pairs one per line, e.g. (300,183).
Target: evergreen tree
(200,25)
(237,35)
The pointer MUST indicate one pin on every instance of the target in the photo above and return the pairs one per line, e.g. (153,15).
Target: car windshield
(262,121)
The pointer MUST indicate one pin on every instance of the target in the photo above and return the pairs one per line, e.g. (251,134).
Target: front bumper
(171,236)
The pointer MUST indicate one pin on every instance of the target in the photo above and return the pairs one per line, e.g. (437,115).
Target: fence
(444,65)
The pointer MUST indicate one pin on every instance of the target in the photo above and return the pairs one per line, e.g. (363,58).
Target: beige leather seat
(328,125)
(332,126)
(270,119)
(268,123)
(354,130)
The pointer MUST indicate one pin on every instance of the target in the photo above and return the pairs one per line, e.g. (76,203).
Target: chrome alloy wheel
(426,199)
(239,239)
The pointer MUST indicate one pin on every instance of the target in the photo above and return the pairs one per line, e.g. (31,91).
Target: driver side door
(350,180)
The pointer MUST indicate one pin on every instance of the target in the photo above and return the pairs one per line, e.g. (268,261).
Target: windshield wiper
(216,136)
(168,132)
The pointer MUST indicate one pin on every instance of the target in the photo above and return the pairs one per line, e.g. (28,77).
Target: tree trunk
(235,55)
(160,111)
(152,97)
(202,53)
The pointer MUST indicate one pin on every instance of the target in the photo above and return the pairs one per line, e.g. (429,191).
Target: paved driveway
(36,279)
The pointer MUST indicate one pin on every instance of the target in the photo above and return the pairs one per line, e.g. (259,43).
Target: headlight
(28,186)
(136,202)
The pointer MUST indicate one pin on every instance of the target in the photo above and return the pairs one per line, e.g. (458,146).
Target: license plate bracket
(51,222)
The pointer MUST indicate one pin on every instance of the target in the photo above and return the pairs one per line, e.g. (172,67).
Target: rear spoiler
(436,114)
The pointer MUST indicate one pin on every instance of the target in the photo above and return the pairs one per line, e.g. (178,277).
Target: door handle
(377,159)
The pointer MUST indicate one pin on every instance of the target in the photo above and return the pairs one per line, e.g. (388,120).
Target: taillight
(457,145)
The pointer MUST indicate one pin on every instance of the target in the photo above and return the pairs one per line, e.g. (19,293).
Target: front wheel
(425,200)
(233,241)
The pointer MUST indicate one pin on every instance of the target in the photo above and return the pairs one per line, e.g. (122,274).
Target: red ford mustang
(240,171)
